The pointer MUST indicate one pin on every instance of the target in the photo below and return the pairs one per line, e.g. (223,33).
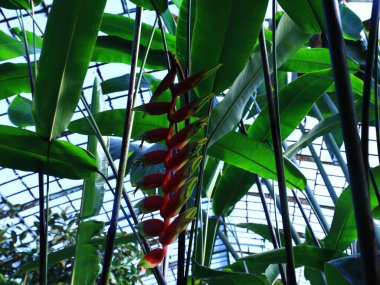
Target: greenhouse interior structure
(189,142)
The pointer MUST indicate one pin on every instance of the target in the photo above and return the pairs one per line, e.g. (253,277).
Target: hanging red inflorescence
(180,160)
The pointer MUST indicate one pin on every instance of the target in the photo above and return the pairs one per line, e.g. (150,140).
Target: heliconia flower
(165,83)
(180,177)
(189,109)
(154,157)
(183,136)
(175,203)
(191,82)
(153,136)
(149,204)
(154,108)
(153,258)
(150,228)
(182,157)
(150,181)
(177,226)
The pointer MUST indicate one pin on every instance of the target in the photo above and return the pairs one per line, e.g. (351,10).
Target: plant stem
(42,228)
(270,226)
(356,162)
(111,234)
(276,137)
(372,42)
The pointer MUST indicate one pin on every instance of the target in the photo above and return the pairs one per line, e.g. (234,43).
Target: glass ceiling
(21,188)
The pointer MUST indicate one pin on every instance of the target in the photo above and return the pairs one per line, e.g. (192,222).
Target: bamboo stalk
(276,137)
(356,162)
(111,234)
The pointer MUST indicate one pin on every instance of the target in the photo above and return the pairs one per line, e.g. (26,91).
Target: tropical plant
(217,126)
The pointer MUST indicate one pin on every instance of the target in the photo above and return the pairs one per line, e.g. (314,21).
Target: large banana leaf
(10,47)
(313,59)
(226,115)
(69,41)
(19,4)
(295,101)
(304,255)
(181,33)
(216,277)
(25,150)
(312,20)
(160,5)
(256,157)
(122,27)
(14,79)
(111,49)
(111,123)
(20,112)
(231,186)
(225,32)
(343,229)
(87,260)
(93,190)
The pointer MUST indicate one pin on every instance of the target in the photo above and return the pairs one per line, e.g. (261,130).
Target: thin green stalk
(372,43)
(111,234)
(356,162)
(276,137)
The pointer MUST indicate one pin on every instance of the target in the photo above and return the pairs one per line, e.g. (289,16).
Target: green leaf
(170,23)
(19,4)
(309,60)
(20,112)
(121,83)
(69,41)
(14,79)
(10,47)
(111,123)
(217,277)
(343,228)
(159,5)
(311,18)
(93,190)
(110,49)
(181,33)
(25,150)
(87,261)
(231,186)
(69,252)
(262,230)
(86,265)
(255,157)
(123,27)
(295,101)
(226,115)
(352,25)
(225,33)
(345,271)
(322,128)
(304,255)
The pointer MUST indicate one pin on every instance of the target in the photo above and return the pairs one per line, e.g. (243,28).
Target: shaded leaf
(159,5)
(20,112)
(25,150)
(123,27)
(225,33)
(314,59)
(120,83)
(226,115)
(255,157)
(304,255)
(110,49)
(69,41)
(14,79)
